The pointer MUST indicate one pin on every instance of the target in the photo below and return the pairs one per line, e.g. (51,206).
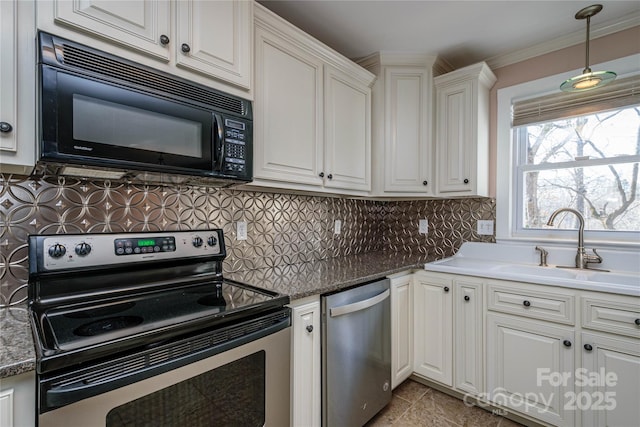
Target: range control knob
(57,250)
(83,249)
(212,241)
(197,241)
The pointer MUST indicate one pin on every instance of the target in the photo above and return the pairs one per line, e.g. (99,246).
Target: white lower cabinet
(433,327)
(610,380)
(305,362)
(18,400)
(401,329)
(468,335)
(525,358)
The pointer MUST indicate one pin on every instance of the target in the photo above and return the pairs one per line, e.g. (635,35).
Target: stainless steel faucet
(582,258)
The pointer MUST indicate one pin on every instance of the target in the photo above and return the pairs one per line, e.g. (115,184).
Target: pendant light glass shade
(588,80)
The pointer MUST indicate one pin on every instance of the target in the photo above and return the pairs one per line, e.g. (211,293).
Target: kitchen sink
(538,271)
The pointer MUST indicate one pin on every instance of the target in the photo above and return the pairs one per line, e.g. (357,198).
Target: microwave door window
(104,122)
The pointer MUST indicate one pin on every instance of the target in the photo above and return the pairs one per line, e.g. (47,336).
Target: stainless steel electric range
(143,329)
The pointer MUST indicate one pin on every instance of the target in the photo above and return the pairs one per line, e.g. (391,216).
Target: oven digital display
(144,246)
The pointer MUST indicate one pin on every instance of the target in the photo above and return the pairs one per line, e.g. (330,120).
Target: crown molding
(610,27)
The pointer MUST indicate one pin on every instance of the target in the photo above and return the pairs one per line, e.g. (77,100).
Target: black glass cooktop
(69,328)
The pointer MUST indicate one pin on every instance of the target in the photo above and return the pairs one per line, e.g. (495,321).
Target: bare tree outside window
(589,163)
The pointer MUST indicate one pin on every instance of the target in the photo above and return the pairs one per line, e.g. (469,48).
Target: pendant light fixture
(588,79)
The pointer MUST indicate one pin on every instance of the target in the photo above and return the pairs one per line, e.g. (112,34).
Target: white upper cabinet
(347,121)
(136,24)
(208,41)
(402,124)
(17,87)
(312,113)
(287,112)
(213,38)
(462,131)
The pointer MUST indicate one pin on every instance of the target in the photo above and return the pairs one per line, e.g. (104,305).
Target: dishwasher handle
(360,305)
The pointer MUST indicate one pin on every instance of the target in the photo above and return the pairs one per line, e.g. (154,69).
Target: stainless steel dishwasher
(356,354)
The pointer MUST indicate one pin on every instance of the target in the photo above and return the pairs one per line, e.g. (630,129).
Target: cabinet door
(347,115)
(408,143)
(305,367)
(214,38)
(469,337)
(455,139)
(611,377)
(137,24)
(433,326)
(525,359)
(17,86)
(401,329)
(288,111)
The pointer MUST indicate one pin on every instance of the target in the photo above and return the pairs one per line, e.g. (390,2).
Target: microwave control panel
(235,143)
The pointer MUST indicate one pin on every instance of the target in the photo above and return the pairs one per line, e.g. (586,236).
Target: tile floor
(414,404)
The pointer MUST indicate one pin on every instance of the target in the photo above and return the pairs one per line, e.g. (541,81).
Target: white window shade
(618,94)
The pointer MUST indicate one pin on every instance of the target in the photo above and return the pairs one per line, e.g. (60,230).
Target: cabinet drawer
(531,301)
(620,315)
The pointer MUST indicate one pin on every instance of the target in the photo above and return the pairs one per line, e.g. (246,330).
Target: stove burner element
(108,310)
(107,325)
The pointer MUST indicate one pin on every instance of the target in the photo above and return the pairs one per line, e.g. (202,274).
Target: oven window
(231,395)
(105,122)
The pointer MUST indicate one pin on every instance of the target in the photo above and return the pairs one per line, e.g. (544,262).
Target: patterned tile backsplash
(282,228)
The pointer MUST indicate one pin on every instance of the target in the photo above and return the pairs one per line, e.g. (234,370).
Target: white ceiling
(460,32)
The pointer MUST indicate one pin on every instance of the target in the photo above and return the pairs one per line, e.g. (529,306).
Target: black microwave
(105,116)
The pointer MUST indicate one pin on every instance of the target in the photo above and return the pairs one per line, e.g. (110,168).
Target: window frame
(508,180)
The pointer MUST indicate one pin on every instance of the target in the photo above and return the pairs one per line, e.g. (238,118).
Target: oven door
(247,385)
(99,123)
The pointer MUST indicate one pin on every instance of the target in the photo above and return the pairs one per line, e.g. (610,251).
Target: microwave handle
(218,142)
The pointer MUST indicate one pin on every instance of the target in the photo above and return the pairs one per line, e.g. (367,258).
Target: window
(588,163)
(580,151)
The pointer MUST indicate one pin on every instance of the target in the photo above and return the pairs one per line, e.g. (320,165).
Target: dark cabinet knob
(5,127)
(466,181)
(424,182)
(446,289)
(185,48)
(637,322)
(588,347)
(309,328)
(164,40)
(321,174)
(330,176)
(566,343)
(526,303)
(466,298)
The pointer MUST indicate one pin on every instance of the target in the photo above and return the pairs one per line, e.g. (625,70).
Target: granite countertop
(17,354)
(318,277)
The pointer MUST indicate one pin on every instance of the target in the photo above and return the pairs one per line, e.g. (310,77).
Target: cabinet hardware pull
(466,298)
(309,328)
(446,289)
(5,127)
(466,181)
(526,303)
(321,174)
(424,182)
(588,347)
(185,48)
(164,40)
(566,343)
(330,176)
(637,322)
